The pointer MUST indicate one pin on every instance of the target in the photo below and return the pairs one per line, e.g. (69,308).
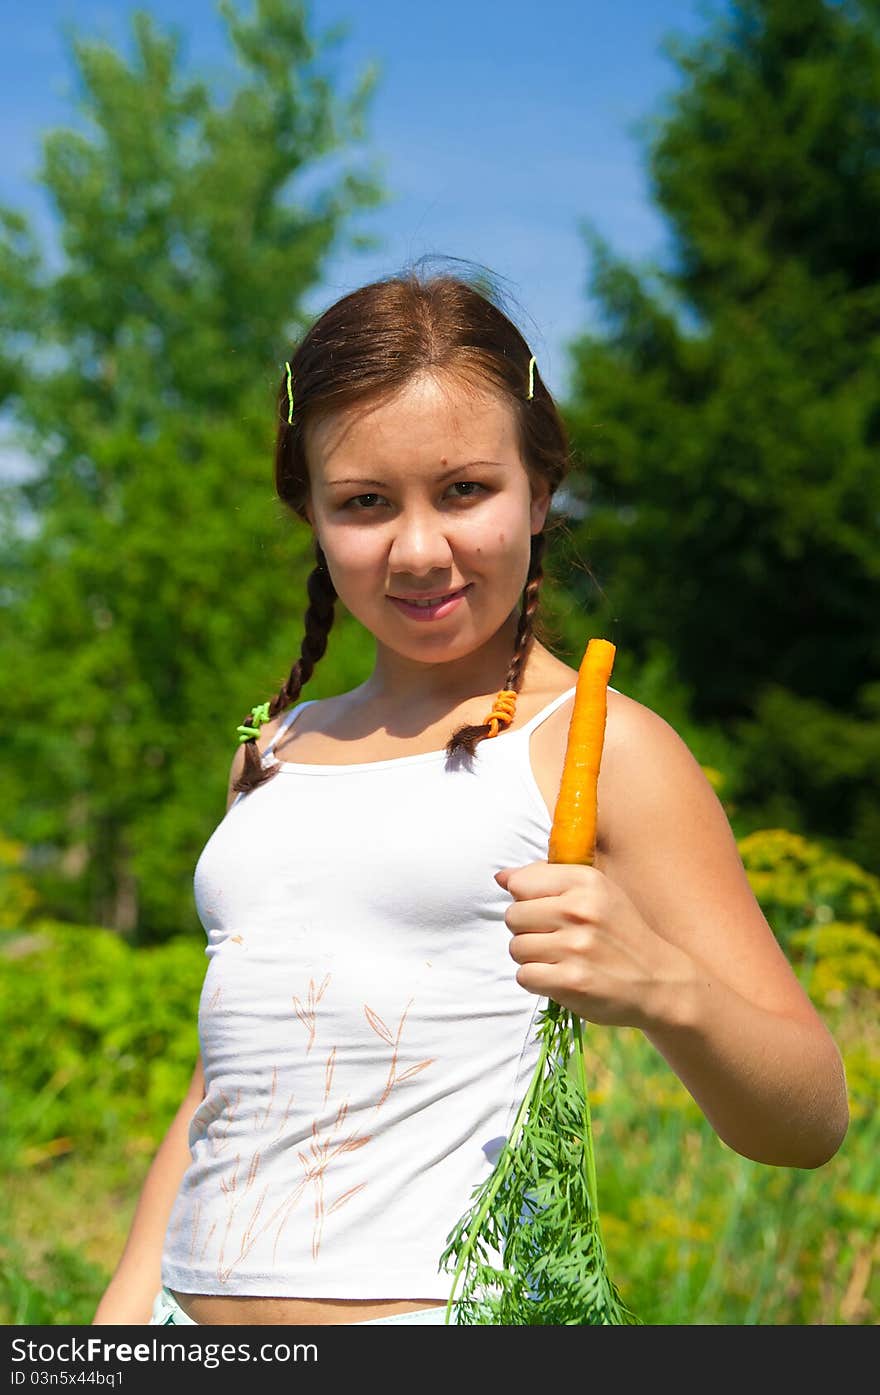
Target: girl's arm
(129,1296)
(736,1026)
(664,933)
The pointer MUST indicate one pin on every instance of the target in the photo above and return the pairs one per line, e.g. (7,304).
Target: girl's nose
(419,546)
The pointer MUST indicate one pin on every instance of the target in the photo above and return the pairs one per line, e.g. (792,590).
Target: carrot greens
(529,1250)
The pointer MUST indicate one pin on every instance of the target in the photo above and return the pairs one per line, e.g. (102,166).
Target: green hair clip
(258,716)
(289,392)
(531,392)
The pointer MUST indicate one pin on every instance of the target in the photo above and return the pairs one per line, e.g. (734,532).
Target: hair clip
(259,715)
(531,391)
(289,392)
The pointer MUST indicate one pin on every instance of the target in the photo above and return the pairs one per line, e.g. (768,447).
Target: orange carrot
(573,832)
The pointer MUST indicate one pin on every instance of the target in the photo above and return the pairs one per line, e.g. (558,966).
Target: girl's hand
(579,939)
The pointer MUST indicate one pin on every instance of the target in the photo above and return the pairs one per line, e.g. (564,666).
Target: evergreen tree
(727,412)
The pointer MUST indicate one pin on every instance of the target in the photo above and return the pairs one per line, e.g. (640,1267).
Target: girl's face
(419,497)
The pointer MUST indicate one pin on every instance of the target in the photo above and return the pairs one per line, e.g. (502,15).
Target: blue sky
(499,126)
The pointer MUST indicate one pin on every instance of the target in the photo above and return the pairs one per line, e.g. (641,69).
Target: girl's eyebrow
(447,474)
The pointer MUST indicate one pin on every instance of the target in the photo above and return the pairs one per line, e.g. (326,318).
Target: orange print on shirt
(306,1015)
(324,1145)
(384,1032)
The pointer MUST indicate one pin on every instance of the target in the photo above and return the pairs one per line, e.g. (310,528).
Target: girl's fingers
(538,880)
(542,915)
(543,979)
(538,949)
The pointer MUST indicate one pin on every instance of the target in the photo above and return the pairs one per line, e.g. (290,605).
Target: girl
(383,926)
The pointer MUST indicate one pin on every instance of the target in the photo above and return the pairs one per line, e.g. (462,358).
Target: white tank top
(364,1039)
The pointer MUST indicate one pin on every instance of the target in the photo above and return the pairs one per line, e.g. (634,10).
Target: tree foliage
(150,591)
(727,409)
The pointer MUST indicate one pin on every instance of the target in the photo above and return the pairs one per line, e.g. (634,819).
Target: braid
(318,622)
(466,737)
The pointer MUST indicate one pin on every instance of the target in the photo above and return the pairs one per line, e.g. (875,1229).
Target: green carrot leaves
(538,1210)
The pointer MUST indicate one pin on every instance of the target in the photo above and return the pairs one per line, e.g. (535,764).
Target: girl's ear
(539,510)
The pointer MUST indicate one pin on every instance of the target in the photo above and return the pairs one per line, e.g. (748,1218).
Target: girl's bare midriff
(208,1308)
(341,743)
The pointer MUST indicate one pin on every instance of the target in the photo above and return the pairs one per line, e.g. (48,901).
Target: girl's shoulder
(647,771)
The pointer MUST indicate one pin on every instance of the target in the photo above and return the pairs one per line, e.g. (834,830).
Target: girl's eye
(348,503)
(467,484)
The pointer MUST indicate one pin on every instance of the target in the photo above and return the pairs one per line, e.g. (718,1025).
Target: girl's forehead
(424,416)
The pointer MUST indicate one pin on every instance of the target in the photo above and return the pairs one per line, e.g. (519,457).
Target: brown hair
(366,348)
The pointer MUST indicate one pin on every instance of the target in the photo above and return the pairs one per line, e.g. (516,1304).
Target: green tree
(150,589)
(727,411)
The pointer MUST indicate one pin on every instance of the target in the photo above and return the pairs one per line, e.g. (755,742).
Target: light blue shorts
(167,1312)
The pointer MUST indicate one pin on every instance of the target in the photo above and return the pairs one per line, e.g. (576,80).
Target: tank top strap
(286,721)
(528,727)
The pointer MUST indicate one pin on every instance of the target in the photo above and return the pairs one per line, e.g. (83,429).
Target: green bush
(17,896)
(100,1039)
(799,884)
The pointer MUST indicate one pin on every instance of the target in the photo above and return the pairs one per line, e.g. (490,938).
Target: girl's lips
(430,612)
